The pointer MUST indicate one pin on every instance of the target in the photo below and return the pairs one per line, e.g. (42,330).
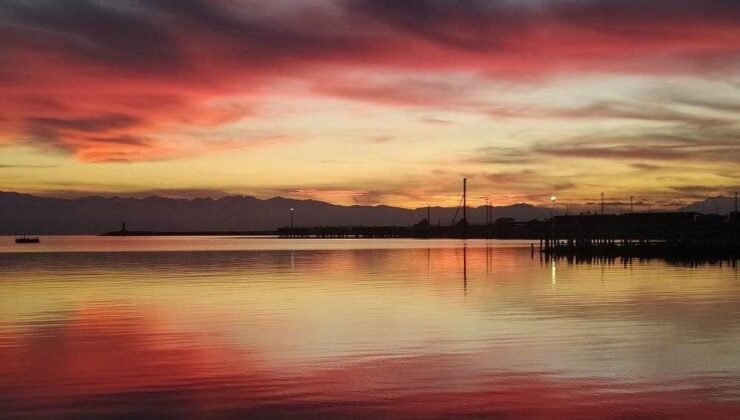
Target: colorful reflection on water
(220,327)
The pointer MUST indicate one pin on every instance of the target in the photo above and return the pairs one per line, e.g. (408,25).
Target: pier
(506,229)
(634,235)
(669,234)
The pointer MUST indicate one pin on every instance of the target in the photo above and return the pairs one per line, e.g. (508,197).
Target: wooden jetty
(639,235)
(670,234)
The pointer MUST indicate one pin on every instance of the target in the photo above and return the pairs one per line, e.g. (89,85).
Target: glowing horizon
(372,101)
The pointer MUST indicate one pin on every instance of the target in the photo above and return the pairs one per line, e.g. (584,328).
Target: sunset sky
(372,101)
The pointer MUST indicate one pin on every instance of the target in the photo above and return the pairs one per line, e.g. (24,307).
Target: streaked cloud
(489,85)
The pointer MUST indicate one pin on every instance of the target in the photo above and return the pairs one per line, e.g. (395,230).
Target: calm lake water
(264,328)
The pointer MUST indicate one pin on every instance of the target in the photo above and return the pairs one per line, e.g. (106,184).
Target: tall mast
(465,200)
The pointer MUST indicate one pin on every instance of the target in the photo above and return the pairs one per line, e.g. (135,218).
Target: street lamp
(553,198)
(292,214)
(552,222)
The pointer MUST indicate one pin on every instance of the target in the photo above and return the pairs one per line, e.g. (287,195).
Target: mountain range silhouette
(93,215)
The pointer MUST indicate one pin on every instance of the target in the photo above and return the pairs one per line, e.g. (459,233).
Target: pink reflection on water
(106,360)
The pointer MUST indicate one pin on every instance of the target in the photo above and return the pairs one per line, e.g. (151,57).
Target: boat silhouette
(26,239)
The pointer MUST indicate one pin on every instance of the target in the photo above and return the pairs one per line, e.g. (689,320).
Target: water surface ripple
(208,327)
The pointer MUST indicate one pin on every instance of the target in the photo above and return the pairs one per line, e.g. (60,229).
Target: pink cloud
(70,69)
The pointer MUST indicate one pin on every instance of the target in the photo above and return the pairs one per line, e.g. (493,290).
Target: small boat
(27,239)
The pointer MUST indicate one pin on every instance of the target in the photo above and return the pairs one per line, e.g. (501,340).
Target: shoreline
(192,233)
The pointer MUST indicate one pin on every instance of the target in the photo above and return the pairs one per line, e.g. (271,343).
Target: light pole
(552,222)
(292,214)
(553,198)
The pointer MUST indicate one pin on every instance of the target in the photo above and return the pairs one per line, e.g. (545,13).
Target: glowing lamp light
(553,198)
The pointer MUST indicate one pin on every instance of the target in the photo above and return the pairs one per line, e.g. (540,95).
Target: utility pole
(602,204)
(292,217)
